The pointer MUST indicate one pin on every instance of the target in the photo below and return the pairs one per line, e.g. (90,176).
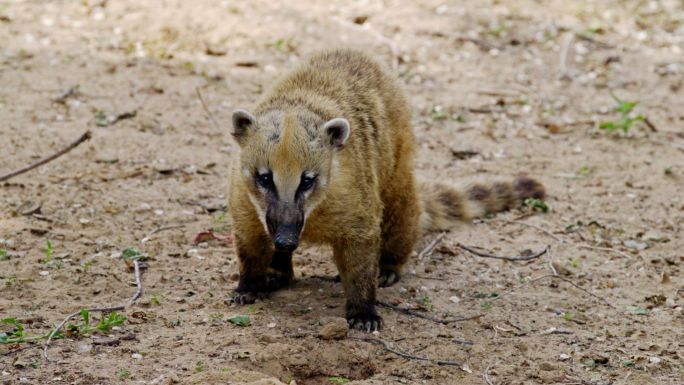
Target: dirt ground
(497,88)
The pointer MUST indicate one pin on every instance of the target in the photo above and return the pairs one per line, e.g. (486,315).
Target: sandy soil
(482,76)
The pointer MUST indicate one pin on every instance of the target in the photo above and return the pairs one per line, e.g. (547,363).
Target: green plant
(123,373)
(625,120)
(240,320)
(3,255)
(437,113)
(48,251)
(426,303)
(568,316)
(133,254)
(219,220)
(535,203)
(638,310)
(338,380)
(17,334)
(199,366)
(101,119)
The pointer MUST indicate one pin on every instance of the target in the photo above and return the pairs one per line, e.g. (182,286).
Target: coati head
(286,159)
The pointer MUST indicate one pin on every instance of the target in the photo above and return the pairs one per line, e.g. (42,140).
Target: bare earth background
(483,76)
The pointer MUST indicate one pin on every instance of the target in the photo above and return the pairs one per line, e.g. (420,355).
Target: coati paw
(366,322)
(270,281)
(363,317)
(388,277)
(247,298)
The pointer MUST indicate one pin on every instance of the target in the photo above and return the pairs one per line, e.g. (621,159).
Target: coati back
(327,157)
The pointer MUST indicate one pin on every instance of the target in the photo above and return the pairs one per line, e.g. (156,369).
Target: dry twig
(485,374)
(543,230)
(206,109)
(426,316)
(136,295)
(515,258)
(578,287)
(159,230)
(87,135)
(407,356)
(428,249)
(585,246)
(565,51)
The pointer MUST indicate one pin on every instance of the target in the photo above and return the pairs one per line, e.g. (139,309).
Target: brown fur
(365,202)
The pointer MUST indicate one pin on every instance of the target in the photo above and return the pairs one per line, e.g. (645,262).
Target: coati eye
(307,182)
(265,180)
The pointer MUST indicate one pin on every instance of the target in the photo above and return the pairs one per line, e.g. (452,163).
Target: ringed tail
(445,206)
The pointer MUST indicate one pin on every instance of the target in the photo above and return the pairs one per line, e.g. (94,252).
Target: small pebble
(137,356)
(336,329)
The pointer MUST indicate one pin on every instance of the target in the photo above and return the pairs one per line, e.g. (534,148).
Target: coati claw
(246,298)
(388,278)
(366,324)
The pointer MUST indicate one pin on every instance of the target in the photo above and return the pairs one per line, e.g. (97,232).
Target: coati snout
(284,221)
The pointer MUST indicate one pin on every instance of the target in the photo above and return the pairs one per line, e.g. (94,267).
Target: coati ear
(337,132)
(242,122)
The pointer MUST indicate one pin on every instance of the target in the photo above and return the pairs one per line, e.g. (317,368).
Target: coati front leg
(262,270)
(357,263)
(400,227)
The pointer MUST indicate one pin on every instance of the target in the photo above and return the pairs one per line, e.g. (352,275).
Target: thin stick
(565,74)
(159,230)
(136,295)
(385,345)
(516,258)
(550,262)
(21,349)
(561,240)
(606,249)
(87,135)
(428,249)
(426,316)
(485,374)
(578,287)
(543,230)
(206,109)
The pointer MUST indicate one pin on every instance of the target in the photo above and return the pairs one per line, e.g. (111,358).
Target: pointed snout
(286,238)
(285,222)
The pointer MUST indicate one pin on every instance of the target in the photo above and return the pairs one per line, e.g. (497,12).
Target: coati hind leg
(357,264)
(400,227)
(262,270)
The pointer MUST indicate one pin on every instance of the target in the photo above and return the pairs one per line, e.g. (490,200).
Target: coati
(327,157)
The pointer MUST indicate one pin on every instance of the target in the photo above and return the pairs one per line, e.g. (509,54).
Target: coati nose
(286,242)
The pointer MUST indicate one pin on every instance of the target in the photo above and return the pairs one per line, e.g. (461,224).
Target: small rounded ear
(337,132)
(242,121)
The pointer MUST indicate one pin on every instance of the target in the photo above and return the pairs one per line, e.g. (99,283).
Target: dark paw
(388,277)
(363,316)
(365,322)
(247,298)
(271,281)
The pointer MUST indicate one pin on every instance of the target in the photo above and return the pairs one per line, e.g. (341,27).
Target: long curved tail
(445,206)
